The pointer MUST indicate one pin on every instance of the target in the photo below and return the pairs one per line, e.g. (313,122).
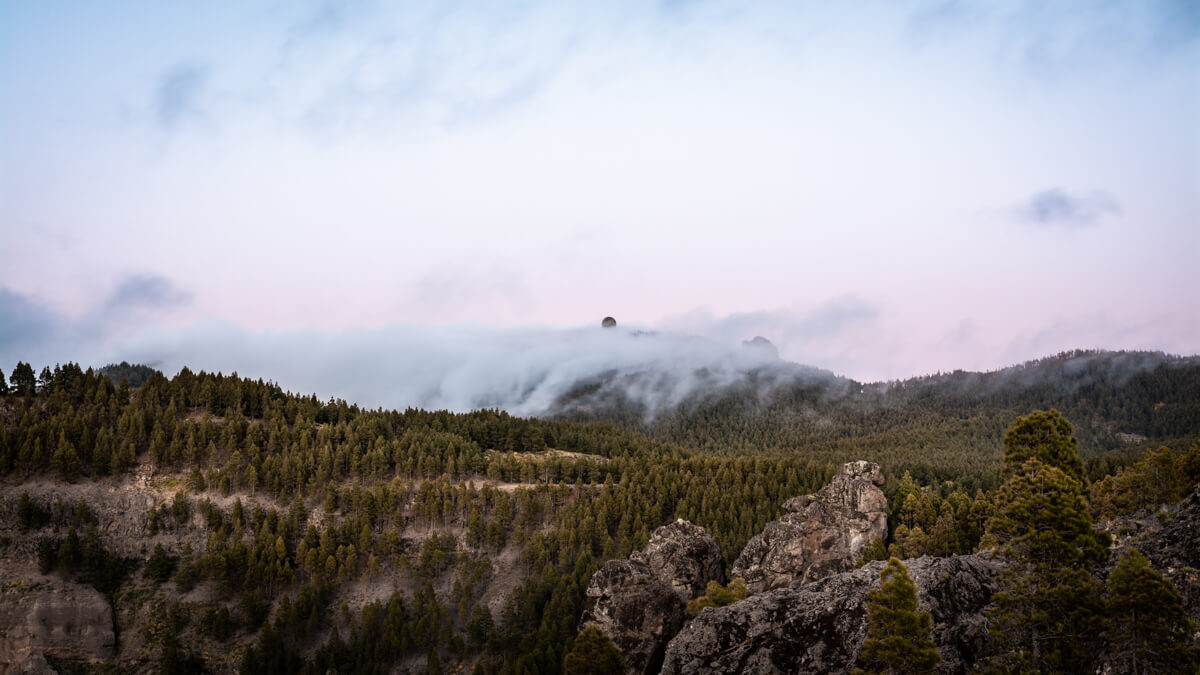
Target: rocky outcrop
(682,556)
(640,603)
(820,627)
(1174,549)
(64,620)
(819,534)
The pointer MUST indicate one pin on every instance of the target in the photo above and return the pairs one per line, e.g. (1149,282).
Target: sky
(396,201)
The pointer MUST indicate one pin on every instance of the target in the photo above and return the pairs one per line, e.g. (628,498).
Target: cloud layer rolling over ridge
(421,203)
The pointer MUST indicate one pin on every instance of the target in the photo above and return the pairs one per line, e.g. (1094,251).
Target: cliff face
(640,602)
(820,627)
(54,618)
(820,534)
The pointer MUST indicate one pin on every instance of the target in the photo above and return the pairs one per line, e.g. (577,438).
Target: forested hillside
(940,427)
(272,495)
(229,523)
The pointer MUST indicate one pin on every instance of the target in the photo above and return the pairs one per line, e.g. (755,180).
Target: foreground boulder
(640,602)
(820,627)
(819,534)
(68,621)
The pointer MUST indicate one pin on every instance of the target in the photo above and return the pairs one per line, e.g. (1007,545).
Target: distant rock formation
(819,534)
(608,322)
(60,619)
(762,345)
(640,602)
(820,627)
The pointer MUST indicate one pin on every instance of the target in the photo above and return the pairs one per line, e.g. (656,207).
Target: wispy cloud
(25,324)
(37,331)
(1056,207)
(1054,39)
(146,292)
(178,94)
(788,327)
(345,67)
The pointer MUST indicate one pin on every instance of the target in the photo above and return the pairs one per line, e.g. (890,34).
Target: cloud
(1056,207)
(790,328)
(38,332)
(178,94)
(459,367)
(1054,39)
(348,67)
(146,292)
(25,324)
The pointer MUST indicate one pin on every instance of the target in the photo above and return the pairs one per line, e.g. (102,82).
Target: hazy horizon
(410,196)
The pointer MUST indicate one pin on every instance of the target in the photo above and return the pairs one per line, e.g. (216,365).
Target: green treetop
(716,595)
(898,638)
(594,654)
(1045,436)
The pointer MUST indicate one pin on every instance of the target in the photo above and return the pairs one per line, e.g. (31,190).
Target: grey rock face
(640,603)
(682,556)
(67,621)
(1174,550)
(820,627)
(820,534)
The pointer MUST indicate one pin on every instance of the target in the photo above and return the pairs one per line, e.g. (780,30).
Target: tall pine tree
(1047,615)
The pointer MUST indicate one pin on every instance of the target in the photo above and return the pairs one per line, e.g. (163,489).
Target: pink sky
(883,191)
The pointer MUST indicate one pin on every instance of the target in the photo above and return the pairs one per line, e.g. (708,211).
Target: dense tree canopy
(297,497)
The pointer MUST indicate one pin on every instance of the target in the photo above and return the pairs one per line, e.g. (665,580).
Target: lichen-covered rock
(35,664)
(820,627)
(820,534)
(640,603)
(64,620)
(683,556)
(1174,550)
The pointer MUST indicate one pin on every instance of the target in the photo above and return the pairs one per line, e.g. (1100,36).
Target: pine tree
(160,566)
(1045,436)
(65,461)
(1150,631)
(594,654)
(898,637)
(1047,614)
(23,381)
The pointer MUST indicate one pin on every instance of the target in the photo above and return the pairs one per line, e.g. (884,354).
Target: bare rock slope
(820,534)
(56,618)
